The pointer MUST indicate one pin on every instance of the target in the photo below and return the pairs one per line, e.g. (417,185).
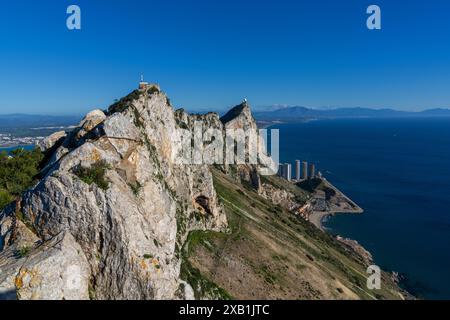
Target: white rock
(50,141)
(54,270)
(131,233)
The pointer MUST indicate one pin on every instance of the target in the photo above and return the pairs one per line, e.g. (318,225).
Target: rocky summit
(120,240)
(113,216)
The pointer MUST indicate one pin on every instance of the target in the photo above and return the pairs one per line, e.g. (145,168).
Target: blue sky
(209,54)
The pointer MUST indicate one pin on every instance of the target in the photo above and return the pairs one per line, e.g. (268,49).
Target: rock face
(280,197)
(49,142)
(240,118)
(123,238)
(357,248)
(89,122)
(54,270)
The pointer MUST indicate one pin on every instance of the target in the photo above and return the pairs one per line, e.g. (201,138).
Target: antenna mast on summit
(142,84)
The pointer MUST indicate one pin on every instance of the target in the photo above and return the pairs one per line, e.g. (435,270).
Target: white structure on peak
(143,84)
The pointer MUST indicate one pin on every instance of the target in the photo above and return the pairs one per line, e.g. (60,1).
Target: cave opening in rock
(204,203)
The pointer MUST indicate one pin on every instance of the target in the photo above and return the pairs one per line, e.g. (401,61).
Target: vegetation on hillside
(313,185)
(202,286)
(310,185)
(272,254)
(93,174)
(123,103)
(18,172)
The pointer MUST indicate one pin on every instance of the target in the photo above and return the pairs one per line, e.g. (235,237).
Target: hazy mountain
(436,112)
(293,114)
(32,120)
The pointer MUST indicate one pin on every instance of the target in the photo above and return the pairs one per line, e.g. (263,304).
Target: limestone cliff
(123,234)
(240,118)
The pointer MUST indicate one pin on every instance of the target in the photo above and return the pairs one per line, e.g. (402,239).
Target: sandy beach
(339,203)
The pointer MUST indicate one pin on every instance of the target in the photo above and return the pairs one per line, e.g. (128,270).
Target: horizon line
(255,109)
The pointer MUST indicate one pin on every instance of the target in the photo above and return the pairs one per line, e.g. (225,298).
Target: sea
(9,149)
(398,171)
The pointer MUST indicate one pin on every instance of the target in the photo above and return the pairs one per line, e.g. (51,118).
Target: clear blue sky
(213,53)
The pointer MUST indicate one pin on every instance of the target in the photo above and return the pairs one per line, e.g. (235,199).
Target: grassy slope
(271,254)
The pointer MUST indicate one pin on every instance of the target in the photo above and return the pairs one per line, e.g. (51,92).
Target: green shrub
(183,125)
(124,103)
(23,252)
(94,174)
(18,172)
(5,198)
(136,188)
(152,90)
(310,185)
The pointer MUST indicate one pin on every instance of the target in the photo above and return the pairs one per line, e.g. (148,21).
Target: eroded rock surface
(53,270)
(125,237)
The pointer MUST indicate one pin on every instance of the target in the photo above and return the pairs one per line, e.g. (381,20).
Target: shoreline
(338,204)
(16,146)
(317,218)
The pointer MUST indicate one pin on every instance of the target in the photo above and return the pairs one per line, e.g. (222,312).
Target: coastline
(14,147)
(339,203)
(265,124)
(317,218)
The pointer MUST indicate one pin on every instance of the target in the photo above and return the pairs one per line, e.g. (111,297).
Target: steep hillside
(270,253)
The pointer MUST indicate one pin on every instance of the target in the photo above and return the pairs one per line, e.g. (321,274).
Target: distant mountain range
(28,120)
(296,114)
(285,114)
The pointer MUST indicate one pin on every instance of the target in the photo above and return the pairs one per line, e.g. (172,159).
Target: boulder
(52,140)
(54,270)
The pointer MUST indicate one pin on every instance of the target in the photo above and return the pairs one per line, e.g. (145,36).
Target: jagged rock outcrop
(240,118)
(89,122)
(113,193)
(54,270)
(280,197)
(51,141)
(357,248)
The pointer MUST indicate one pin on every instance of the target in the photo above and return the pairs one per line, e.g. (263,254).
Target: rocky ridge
(116,216)
(124,239)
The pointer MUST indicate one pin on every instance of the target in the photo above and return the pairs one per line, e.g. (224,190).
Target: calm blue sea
(9,149)
(398,170)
